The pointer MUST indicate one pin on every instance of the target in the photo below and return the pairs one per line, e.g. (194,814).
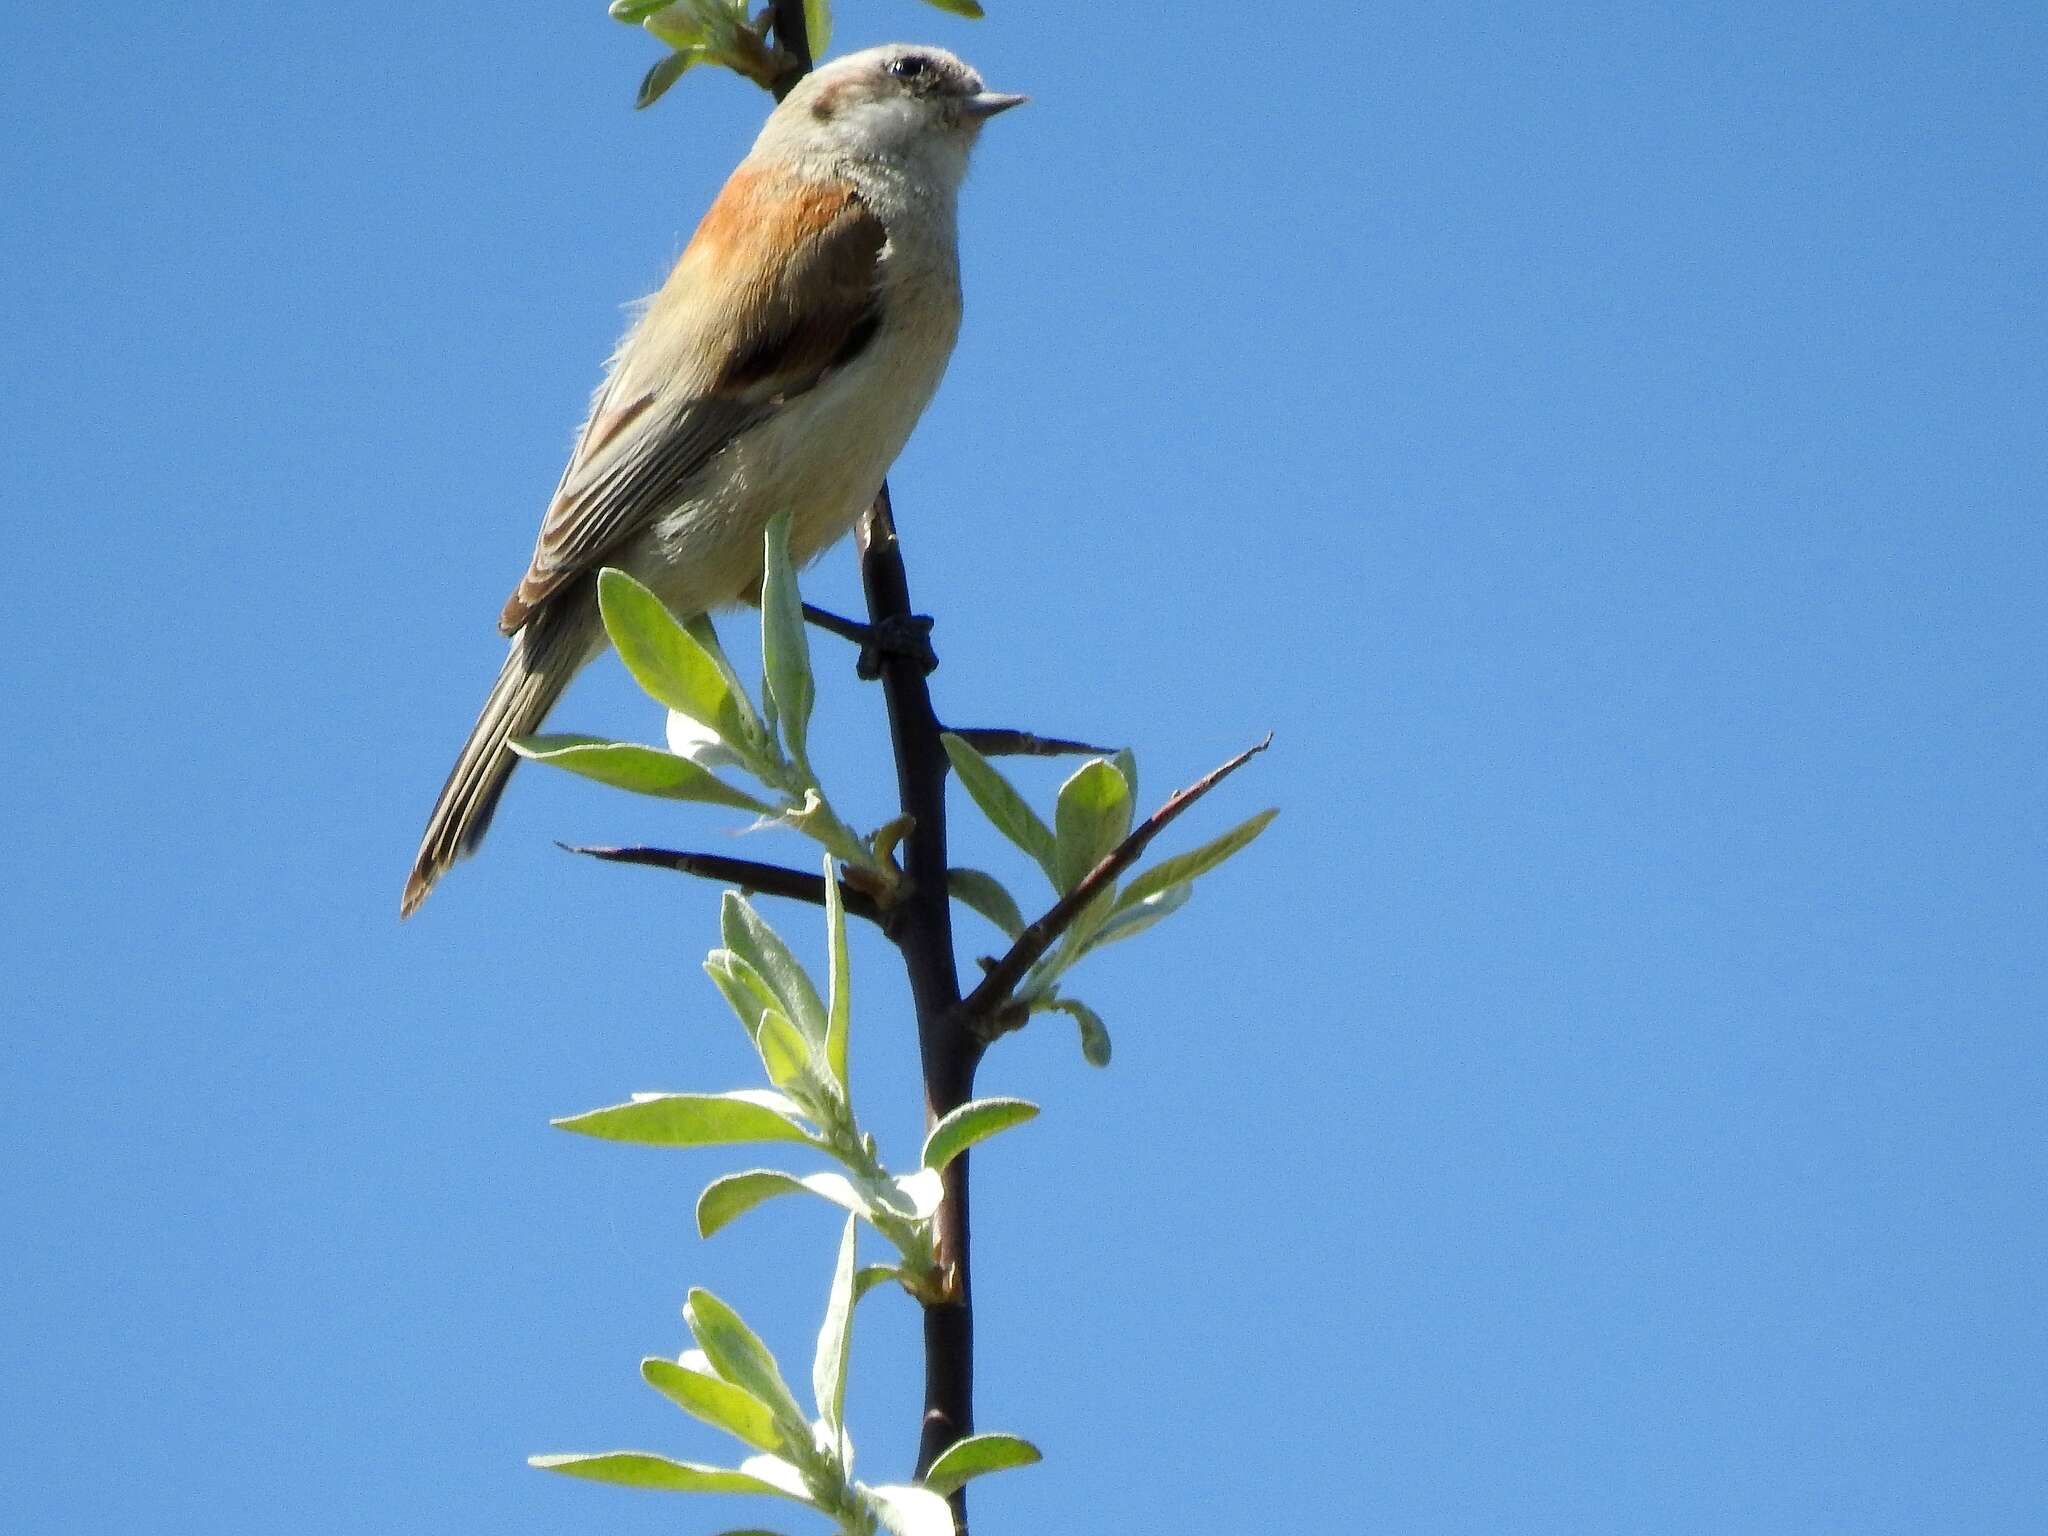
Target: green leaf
(634,12)
(785,648)
(1092,817)
(839,984)
(987,895)
(1128,922)
(973,1122)
(743,987)
(735,1194)
(643,1469)
(700,630)
(1126,763)
(784,1051)
(748,936)
(714,1400)
(1186,866)
(1002,805)
(643,770)
(968,8)
(667,70)
(976,1455)
(1094,1036)
(910,1511)
(835,1338)
(672,666)
(738,1354)
(683,26)
(872,1275)
(694,1120)
(818,26)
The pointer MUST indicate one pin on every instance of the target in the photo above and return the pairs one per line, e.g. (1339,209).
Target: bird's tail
(545,655)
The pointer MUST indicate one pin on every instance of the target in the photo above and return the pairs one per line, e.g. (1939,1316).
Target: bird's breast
(823,455)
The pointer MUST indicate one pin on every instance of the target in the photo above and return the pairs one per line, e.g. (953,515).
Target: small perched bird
(783,364)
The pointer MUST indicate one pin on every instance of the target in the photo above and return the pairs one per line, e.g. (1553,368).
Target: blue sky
(1606,445)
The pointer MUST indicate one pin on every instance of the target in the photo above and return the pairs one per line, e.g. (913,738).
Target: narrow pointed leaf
(694,1120)
(784,1051)
(1006,809)
(667,70)
(747,935)
(911,1511)
(818,26)
(738,1354)
(968,8)
(972,1122)
(785,647)
(986,894)
(716,1401)
(839,984)
(975,1456)
(643,770)
(1184,867)
(1094,1035)
(835,1338)
(872,1275)
(643,1469)
(1092,815)
(735,1194)
(636,11)
(743,987)
(1129,921)
(668,662)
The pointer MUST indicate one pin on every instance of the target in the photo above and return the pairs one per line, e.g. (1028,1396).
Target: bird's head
(898,103)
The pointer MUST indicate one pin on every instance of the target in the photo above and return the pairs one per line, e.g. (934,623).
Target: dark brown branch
(1002,977)
(832,623)
(922,927)
(1002,743)
(793,40)
(750,877)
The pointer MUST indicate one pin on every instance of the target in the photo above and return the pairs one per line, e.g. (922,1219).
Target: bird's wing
(778,287)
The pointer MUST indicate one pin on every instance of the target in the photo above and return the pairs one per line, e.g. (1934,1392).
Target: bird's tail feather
(545,655)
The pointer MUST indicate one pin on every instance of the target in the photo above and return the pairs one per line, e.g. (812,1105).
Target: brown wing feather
(725,343)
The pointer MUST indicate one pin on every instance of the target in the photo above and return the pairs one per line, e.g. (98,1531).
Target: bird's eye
(910,67)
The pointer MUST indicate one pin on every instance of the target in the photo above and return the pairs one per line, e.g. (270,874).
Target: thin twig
(832,623)
(1002,978)
(1003,743)
(752,878)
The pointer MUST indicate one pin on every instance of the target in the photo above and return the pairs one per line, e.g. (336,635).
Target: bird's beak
(987,104)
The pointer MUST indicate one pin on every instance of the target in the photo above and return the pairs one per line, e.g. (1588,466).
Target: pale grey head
(902,101)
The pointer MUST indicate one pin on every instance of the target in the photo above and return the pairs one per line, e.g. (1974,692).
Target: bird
(782,365)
